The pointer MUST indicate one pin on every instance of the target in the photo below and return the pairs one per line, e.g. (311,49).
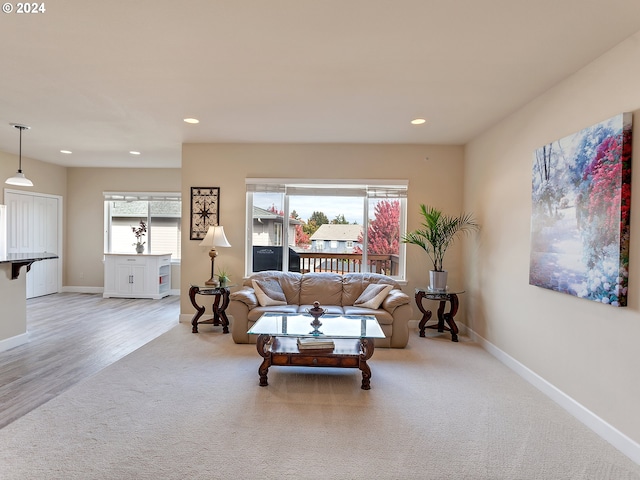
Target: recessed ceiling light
(191,120)
(66,152)
(133,152)
(418,121)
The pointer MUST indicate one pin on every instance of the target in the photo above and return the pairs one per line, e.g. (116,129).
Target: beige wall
(46,177)
(85,212)
(434,174)
(83,204)
(587,350)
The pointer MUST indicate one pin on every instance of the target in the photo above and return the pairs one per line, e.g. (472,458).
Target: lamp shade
(215,237)
(19,179)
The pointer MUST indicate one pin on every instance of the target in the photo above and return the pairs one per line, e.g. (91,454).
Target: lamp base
(212,281)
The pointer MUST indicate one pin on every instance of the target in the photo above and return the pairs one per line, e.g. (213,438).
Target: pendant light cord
(19,178)
(20,150)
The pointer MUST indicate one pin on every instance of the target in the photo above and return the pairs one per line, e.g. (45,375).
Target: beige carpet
(189,406)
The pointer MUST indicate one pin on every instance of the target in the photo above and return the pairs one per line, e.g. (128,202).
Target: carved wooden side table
(443,296)
(220,304)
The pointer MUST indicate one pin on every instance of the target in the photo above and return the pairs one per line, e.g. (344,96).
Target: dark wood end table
(443,297)
(220,304)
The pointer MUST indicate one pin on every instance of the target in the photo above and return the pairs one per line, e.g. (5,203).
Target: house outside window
(342,221)
(160,211)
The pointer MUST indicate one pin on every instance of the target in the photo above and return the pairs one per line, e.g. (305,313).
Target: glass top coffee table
(344,341)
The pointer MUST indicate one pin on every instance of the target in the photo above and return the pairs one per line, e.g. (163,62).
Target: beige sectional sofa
(336,293)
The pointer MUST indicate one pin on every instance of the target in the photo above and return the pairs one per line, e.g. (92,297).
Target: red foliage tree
(302,239)
(274,209)
(383,233)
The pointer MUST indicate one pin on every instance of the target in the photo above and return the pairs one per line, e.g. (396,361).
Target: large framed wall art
(581,196)
(205,210)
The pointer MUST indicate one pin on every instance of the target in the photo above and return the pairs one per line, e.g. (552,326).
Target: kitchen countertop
(19,260)
(26,257)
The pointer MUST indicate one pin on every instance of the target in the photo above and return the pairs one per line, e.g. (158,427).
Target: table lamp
(214,238)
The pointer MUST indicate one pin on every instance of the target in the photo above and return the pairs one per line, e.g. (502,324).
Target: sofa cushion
(355,283)
(289,281)
(323,287)
(395,299)
(373,295)
(246,295)
(269,292)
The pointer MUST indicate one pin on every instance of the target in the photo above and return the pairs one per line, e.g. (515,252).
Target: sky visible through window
(350,207)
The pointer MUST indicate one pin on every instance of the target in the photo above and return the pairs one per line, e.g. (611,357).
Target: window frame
(148,197)
(366,189)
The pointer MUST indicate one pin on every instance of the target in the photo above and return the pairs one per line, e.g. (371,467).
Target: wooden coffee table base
(282,351)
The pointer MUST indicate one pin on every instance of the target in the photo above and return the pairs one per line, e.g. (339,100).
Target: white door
(43,276)
(33,227)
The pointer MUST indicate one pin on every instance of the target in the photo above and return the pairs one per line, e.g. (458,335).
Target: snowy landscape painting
(581,195)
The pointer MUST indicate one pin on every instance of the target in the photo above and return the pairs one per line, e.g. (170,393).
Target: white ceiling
(102,78)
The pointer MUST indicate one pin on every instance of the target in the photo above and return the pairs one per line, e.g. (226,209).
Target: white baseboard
(15,341)
(608,432)
(72,289)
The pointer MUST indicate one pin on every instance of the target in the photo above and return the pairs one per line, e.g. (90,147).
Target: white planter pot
(438,280)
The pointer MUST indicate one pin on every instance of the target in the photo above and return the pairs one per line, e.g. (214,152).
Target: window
(327,225)
(160,211)
(277,239)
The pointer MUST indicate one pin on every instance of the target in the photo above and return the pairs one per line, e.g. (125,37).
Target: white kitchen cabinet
(137,276)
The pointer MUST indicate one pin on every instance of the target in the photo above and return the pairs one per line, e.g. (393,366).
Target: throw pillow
(373,295)
(269,292)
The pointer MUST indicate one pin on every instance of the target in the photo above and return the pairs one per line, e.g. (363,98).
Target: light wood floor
(71,337)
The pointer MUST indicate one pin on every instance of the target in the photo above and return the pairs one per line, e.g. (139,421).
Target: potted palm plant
(437,234)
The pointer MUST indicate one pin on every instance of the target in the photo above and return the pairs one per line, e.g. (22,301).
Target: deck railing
(347,263)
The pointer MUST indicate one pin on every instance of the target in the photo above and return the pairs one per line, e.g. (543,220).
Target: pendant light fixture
(19,178)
